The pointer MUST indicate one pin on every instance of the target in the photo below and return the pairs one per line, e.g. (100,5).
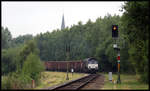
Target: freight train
(89,65)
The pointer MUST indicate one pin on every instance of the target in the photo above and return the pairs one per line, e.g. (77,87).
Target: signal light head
(114,28)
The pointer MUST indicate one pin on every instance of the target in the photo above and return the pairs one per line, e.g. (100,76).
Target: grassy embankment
(127,82)
(53,78)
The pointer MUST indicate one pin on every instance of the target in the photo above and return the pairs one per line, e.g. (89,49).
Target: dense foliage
(21,39)
(32,70)
(21,65)
(9,60)
(136,26)
(6,38)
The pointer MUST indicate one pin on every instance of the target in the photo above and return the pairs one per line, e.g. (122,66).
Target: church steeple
(63,23)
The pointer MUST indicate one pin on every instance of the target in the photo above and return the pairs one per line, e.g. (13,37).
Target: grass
(127,82)
(49,78)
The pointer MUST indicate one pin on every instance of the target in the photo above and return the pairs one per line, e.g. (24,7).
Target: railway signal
(114,31)
(115,37)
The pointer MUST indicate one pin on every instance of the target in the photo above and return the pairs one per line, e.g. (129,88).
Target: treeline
(93,39)
(20,62)
(135,22)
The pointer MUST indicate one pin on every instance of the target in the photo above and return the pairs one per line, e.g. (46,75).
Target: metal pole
(118,80)
(67,78)
(118,60)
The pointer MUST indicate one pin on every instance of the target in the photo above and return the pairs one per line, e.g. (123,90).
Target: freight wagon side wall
(78,66)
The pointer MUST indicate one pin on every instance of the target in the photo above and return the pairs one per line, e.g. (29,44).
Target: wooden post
(33,83)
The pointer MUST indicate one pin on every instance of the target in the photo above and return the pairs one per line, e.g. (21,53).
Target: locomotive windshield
(92,62)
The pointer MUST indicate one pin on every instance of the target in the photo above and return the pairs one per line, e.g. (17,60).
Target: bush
(9,60)
(32,68)
(5,83)
(11,81)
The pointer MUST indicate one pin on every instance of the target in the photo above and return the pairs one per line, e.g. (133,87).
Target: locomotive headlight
(89,66)
(96,67)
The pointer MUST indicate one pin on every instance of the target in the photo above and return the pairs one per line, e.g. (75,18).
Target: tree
(21,40)
(33,67)
(135,21)
(6,38)
(9,60)
(29,47)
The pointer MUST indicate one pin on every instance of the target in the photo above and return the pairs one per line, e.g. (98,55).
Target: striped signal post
(118,60)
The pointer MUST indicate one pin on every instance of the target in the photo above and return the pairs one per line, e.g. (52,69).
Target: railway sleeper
(77,87)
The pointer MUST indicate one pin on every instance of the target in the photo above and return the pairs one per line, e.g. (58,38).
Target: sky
(39,17)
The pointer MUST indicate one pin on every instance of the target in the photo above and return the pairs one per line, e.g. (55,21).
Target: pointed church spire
(63,23)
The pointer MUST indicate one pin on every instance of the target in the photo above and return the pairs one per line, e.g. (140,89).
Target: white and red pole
(118,60)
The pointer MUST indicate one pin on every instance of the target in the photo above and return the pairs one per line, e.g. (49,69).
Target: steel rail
(76,84)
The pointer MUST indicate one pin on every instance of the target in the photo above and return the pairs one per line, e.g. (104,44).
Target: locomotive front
(92,65)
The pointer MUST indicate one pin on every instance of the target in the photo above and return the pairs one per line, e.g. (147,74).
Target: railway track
(77,84)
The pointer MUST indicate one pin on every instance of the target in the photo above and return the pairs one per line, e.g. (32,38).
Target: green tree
(6,38)
(29,47)
(9,60)
(135,21)
(33,67)
(21,40)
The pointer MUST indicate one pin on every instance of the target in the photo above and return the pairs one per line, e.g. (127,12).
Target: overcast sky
(35,17)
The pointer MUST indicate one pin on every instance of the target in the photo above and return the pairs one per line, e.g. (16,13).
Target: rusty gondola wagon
(86,65)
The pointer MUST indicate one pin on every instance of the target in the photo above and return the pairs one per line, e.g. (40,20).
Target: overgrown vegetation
(128,82)
(27,67)
(32,70)
(54,78)
(136,25)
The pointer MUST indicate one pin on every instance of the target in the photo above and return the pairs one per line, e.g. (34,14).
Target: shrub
(5,83)
(32,68)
